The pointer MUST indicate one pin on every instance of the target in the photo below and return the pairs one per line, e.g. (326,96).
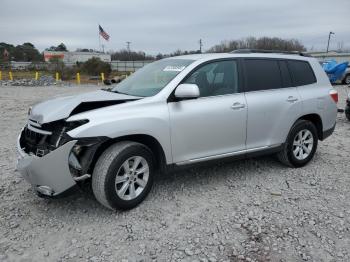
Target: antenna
(200,45)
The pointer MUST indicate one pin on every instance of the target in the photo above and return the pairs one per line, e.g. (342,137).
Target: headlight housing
(74,124)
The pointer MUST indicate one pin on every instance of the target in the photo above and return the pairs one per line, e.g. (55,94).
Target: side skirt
(206,161)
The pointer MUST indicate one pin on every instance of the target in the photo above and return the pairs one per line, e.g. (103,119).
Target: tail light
(334,95)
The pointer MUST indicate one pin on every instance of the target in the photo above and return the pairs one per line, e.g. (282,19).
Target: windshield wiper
(109,89)
(115,91)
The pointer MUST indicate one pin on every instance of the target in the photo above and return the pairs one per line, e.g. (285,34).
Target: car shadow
(173,182)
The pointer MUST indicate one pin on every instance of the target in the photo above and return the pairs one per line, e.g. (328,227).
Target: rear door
(273,102)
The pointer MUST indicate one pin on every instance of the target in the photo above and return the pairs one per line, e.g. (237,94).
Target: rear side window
(301,72)
(262,74)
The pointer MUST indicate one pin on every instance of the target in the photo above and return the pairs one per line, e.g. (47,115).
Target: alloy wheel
(132,178)
(303,144)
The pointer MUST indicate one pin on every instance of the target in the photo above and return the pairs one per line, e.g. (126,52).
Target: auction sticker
(174,68)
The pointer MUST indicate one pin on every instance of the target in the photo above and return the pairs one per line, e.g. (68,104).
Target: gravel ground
(250,210)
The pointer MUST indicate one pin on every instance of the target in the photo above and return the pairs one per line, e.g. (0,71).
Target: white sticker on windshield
(174,68)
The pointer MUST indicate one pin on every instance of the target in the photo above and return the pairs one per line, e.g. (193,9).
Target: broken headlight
(63,137)
(74,124)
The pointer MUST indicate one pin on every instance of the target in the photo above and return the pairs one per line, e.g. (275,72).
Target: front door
(215,123)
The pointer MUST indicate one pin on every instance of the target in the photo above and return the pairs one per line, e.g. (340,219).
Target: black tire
(347,79)
(347,116)
(347,111)
(286,156)
(107,168)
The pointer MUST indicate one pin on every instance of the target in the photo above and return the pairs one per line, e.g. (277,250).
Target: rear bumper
(49,175)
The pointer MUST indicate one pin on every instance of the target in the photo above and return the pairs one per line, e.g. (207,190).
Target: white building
(331,55)
(71,58)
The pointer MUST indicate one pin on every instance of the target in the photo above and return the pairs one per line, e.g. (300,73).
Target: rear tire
(347,112)
(123,175)
(347,116)
(301,144)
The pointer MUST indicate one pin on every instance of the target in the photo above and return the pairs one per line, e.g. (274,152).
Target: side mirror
(187,91)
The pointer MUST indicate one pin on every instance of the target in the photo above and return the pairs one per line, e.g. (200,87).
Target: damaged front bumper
(50,174)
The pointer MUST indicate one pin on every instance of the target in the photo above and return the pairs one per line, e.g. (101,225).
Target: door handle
(292,99)
(237,105)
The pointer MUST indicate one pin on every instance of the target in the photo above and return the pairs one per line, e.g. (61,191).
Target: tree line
(266,43)
(28,53)
(25,52)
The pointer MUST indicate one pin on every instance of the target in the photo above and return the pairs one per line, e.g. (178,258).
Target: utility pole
(200,45)
(128,46)
(329,38)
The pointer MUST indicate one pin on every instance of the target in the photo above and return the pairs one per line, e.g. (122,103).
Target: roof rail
(248,51)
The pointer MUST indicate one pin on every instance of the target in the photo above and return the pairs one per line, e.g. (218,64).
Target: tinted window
(262,74)
(301,72)
(286,78)
(217,78)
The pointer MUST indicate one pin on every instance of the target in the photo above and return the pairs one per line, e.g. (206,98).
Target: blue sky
(165,26)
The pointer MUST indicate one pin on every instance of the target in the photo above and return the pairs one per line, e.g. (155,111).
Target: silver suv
(173,112)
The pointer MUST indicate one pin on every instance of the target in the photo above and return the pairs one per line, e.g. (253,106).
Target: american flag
(103,33)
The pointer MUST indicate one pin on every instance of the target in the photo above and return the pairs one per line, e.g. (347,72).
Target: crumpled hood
(62,107)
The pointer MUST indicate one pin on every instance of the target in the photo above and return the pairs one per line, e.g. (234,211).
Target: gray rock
(188,252)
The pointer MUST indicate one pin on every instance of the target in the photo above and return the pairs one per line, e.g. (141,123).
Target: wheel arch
(147,140)
(316,120)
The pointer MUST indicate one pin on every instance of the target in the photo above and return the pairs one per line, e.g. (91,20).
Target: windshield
(152,78)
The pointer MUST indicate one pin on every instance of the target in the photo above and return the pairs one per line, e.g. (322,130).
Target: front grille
(42,141)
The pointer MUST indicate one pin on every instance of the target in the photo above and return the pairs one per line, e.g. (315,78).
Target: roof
(211,56)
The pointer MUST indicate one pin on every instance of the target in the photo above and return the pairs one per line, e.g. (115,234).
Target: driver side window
(217,78)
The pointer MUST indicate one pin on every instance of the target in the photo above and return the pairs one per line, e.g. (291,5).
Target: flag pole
(99,38)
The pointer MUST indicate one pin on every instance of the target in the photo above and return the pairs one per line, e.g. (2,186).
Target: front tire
(301,144)
(123,175)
